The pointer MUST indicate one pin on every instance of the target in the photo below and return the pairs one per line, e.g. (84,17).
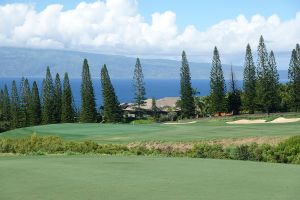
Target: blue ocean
(155,88)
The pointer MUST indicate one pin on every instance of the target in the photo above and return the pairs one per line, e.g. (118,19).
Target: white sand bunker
(246,121)
(285,120)
(179,123)
(261,121)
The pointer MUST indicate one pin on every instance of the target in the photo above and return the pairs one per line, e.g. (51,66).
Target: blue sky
(206,13)
(202,14)
(154,28)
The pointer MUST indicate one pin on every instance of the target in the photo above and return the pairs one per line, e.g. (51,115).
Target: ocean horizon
(155,88)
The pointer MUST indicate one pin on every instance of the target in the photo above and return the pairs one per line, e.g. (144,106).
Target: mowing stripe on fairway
(117,177)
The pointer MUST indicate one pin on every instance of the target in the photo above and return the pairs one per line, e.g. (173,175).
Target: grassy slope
(110,178)
(126,133)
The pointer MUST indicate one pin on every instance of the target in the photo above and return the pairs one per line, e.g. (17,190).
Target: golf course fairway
(126,133)
(116,177)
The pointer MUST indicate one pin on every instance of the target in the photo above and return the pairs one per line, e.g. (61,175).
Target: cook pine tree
(6,111)
(1,104)
(274,80)
(139,87)
(294,78)
(111,107)
(217,85)
(14,106)
(57,99)
(35,106)
(88,112)
(264,81)
(48,99)
(67,109)
(25,101)
(249,81)
(187,103)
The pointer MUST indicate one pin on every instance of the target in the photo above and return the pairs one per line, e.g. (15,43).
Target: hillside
(16,62)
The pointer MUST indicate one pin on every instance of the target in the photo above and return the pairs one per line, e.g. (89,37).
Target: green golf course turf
(114,177)
(126,133)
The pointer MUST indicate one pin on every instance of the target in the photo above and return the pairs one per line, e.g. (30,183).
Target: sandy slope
(260,121)
(285,120)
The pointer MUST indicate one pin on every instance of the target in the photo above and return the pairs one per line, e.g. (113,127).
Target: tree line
(27,106)
(261,91)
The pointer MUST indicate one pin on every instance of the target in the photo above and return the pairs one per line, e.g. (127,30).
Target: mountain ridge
(33,62)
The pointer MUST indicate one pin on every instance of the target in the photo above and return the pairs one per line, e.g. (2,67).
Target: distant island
(17,62)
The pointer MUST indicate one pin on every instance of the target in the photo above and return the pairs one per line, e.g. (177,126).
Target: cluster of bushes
(287,151)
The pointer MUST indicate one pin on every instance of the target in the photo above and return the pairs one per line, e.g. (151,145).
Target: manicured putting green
(126,133)
(115,178)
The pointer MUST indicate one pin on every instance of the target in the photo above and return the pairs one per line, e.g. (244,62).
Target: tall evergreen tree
(274,80)
(35,106)
(294,79)
(88,112)
(298,52)
(48,99)
(68,112)
(139,86)
(249,81)
(187,103)
(112,110)
(22,111)
(15,106)
(57,99)
(263,86)
(4,122)
(234,97)
(6,112)
(25,100)
(217,84)
(1,104)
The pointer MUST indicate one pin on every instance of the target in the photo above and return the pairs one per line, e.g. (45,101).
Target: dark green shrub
(112,149)
(255,152)
(267,153)
(242,152)
(4,126)
(231,152)
(288,151)
(82,147)
(140,150)
(209,151)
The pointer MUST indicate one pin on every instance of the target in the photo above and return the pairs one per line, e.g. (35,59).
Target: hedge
(287,151)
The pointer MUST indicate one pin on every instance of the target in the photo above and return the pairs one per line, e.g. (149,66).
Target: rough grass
(115,178)
(127,133)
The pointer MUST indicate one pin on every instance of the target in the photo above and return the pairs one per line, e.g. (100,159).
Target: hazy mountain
(33,62)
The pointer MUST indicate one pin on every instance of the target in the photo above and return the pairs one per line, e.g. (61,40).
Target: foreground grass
(127,133)
(114,177)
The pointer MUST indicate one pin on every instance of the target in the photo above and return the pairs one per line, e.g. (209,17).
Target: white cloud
(115,26)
